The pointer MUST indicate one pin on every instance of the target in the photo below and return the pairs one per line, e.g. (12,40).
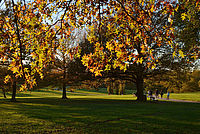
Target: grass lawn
(44,112)
(195,96)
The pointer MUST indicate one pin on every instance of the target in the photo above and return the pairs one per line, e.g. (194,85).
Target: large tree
(139,33)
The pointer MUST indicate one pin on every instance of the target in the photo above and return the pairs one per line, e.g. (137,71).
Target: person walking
(157,93)
(161,93)
(168,93)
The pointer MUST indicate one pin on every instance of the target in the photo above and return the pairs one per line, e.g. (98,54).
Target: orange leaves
(38,1)
(131,32)
(24,7)
(98,72)
(7,18)
(14,69)
(152,8)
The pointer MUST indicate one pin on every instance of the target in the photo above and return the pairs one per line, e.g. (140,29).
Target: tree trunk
(120,88)
(124,86)
(4,93)
(140,87)
(64,96)
(14,89)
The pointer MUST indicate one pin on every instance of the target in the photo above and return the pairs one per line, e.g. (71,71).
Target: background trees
(192,83)
(187,23)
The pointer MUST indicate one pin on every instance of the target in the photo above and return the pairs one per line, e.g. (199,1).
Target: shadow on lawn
(113,116)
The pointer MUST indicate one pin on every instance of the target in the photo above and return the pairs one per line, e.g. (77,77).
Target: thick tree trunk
(140,88)
(14,89)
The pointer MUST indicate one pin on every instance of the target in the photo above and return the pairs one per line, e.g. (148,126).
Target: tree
(26,39)
(140,32)
(68,42)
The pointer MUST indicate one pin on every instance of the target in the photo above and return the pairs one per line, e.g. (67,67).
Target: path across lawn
(175,100)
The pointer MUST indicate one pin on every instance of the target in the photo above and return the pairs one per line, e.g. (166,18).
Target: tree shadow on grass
(112,116)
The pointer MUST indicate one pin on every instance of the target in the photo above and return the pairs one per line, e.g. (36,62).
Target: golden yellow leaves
(123,67)
(14,69)
(110,46)
(140,60)
(194,56)
(107,67)
(141,2)
(7,78)
(33,40)
(152,8)
(23,87)
(181,54)
(85,60)
(174,54)
(153,66)
(98,72)
(183,16)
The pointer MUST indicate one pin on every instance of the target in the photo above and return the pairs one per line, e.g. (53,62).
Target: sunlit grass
(194,96)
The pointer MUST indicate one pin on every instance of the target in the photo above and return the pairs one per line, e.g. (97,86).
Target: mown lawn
(194,96)
(44,112)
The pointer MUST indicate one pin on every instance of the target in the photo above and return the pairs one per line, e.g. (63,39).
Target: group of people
(150,93)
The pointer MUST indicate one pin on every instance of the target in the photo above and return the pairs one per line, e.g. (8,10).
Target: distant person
(157,93)
(168,93)
(148,92)
(161,93)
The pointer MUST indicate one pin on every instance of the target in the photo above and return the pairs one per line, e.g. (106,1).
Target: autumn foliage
(137,33)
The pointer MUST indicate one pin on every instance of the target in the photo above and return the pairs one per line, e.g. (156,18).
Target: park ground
(95,112)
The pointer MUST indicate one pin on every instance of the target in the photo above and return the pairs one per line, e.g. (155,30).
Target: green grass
(194,96)
(44,112)
(102,91)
